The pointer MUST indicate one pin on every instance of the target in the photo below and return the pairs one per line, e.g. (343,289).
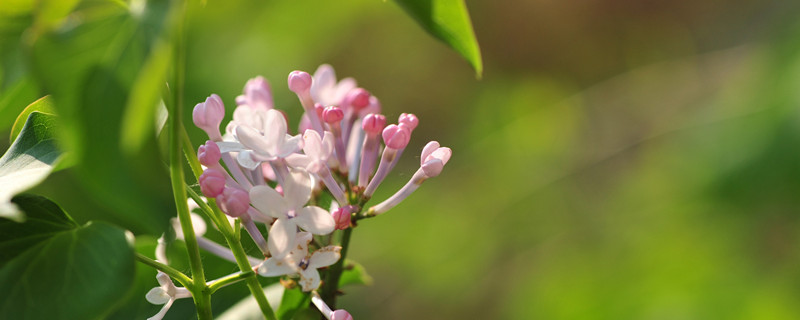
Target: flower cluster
(273,177)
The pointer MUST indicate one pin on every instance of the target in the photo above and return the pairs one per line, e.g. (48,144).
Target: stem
(183,279)
(252,281)
(200,292)
(331,286)
(229,279)
(189,153)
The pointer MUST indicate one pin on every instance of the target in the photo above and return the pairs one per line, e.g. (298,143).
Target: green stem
(183,279)
(252,281)
(230,279)
(331,286)
(189,153)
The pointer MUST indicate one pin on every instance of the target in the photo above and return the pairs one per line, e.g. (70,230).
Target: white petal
(157,295)
(276,267)
(161,313)
(281,238)
(302,239)
(245,159)
(268,201)
(324,257)
(274,129)
(313,144)
(309,279)
(315,220)
(229,146)
(427,150)
(442,154)
(324,79)
(344,86)
(290,144)
(251,139)
(327,145)
(297,189)
(298,160)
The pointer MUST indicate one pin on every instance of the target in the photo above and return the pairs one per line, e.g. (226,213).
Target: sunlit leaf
(140,112)
(27,162)
(293,300)
(43,105)
(78,273)
(448,21)
(354,274)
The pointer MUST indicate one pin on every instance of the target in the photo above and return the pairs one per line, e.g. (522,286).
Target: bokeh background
(619,159)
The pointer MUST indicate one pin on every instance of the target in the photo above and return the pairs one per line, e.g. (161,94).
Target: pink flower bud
(258,93)
(396,137)
(341,314)
(208,115)
(409,120)
(332,114)
(373,107)
(212,182)
(320,109)
(434,158)
(342,217)
(234,202)
(209,154)
(373,123)
(299,82)
(357,98)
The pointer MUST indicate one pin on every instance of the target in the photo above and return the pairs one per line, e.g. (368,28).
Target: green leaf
(43,105)
(27,162)
(44,218)
(91,69)
(71,273)
(448,21)
(14,98)
(354,274)
(293,300)
(140,112)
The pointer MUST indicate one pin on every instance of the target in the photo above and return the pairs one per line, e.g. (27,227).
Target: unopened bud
(373,123)
(299,82)
(342,217)
(341,314)
(212,182)
(332,114)
(234,202)
(396,137)
(209,154)
(208,116)
(357,98)
(409,120)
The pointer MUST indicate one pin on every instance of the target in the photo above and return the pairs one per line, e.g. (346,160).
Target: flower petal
(290,145)
(342,88)
(324,257)
(298,160)
(229,146)
(281,238)
(277,267)
(427,150)
(157,295)
(312,144)
(315,220)
(309,279)
(297,189)
(251,139)
(163,312)
(268,201)
(274,130)
(245,159)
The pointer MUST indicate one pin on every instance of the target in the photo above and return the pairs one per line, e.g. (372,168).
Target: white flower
(267,143)
(290,213)
(326,91)
(166,294)
(298,261)
(317,152)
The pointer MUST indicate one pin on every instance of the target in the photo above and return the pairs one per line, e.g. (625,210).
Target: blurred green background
(618,160)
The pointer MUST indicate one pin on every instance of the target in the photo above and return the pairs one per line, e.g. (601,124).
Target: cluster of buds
(270,175)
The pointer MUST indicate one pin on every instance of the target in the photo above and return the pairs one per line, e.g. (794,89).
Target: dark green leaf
(292,301)
(27,162)
(447,20)
(354,273)
(91,70)
(44,219)
(71,273)
(43,105)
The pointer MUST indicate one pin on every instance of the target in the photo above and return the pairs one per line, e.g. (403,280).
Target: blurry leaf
(140,112)
(77,273)
(90,70)
(43,105)
(447,20)
(27,162)
(16,7)
(50,12)
(354,273)
(43,219)
(292,301)
(13,100)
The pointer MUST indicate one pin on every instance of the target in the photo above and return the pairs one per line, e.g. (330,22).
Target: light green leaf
(43,105)
(71,272)
(13,100)
(354,274)
(27,162)
(140,113)
(448,21)
(292,301)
